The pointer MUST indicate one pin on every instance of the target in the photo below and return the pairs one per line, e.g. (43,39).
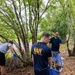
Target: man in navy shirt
(56,42)
(41,54)
(55,49)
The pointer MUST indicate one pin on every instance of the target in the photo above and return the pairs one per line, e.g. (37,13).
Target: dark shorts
(2,59)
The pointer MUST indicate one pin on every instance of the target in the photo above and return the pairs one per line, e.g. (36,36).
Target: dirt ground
(68,69)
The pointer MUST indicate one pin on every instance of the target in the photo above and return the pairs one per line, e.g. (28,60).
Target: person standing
(41,55)
(3,49)
(56,43)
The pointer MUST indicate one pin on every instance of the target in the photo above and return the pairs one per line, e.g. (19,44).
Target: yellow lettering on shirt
(38,51)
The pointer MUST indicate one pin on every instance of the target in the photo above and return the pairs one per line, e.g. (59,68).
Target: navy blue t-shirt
(41,52)
(55,43)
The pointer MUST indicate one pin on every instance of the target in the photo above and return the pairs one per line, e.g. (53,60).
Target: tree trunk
(69,51)
(74,49)
(34,38)
(20,49)
(64,40)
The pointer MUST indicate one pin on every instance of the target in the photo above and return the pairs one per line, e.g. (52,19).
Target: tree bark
(34,38)
(74,49)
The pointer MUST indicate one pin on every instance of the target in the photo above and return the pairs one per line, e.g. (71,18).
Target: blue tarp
(54,72)
(59,60)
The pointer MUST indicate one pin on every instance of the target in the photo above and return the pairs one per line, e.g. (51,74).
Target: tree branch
(45,8)
(3,37)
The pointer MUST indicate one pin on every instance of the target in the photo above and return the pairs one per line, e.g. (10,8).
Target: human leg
(3,72)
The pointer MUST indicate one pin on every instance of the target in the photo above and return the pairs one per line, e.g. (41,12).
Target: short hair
(57,32)
(10,42)
(45,34)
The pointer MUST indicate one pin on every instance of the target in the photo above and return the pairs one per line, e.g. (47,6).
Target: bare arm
(50,42)
(32,59)
(60,47)
(11,48)
(50,61)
